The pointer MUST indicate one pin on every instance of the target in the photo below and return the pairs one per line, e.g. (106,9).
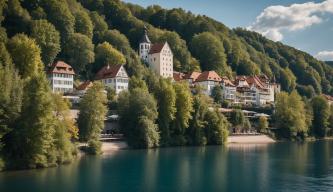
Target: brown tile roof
(108,72)
(61,67)
(156,48)
(178,76)
(209,76)
(254,80)
(85,85)
(227,82)
(193,75)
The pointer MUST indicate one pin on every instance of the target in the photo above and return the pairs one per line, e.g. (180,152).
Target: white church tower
(144,47)
(158,56)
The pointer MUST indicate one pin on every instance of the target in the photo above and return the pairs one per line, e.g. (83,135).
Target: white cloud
(276,19)
(325,55)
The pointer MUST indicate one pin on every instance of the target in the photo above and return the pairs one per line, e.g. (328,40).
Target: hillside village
(245,91)
(152,76)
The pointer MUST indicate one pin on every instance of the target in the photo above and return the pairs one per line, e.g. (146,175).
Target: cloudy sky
(305,25)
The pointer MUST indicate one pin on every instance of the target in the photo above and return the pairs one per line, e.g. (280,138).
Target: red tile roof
(108,72)
(227,82)
(193,75)
(156,48)
(178,76)
(61,67)
(209,76)
(85,85)
(254,80)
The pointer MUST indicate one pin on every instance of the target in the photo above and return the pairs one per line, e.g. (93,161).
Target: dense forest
(35,126)
(82,32)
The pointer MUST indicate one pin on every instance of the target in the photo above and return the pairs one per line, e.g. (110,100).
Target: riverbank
(250,139)
(111,147)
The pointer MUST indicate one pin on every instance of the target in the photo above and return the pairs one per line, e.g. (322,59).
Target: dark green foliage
(30,143)
(91,117)
(237,118)
(48,39)
(138,112)
(217,94)
(291,116)
(83,24)
(210,52)
(26,55)
(166,103)
(79,52)
(321,114)
(217,128)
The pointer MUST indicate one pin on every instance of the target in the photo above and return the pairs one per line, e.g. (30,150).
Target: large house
(208,80)
(61,77)
(158,56)
(114,76)
(244,90)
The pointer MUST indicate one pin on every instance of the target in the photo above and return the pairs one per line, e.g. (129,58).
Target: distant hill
(198,42)
(329,63)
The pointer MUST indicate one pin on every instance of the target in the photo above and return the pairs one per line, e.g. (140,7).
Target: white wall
(61,82)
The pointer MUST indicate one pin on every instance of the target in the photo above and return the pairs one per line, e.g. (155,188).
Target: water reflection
(250,167)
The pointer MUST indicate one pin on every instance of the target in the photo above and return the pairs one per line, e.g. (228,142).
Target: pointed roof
(61,68)
(227,82)
(156,48)
(108,72)
(193,75)
(145,38)
(85,85)
(209,76)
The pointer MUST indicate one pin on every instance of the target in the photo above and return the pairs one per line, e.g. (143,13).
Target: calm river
(273,167)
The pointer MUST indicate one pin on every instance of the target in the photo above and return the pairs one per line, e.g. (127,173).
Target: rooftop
(61,67)
(209,76)
(109,71)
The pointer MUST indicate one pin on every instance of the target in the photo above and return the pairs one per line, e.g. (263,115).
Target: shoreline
(114,146)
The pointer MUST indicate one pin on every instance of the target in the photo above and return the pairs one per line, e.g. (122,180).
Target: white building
(114,76)
(61,77)
(229,90)
(158,56)
(208,80)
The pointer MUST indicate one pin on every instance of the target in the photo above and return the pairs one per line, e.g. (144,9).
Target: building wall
(61,83)
(229,93)
(162,63)
(143,51)
(119,84)
(207,86)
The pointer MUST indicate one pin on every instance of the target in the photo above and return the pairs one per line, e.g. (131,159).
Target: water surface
(272,167)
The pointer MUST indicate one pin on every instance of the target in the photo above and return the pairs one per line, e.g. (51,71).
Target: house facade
(159,56)
(208,80)
(61,77)
(114,76)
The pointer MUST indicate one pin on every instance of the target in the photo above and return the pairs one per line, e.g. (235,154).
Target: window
(141,46)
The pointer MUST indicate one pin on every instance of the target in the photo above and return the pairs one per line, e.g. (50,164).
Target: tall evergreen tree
(321,113)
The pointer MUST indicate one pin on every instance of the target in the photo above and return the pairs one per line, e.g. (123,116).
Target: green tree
(79,52)
(107,55)
(263,124)
(184,108)
(100,26)
(196,130)
(83,23)
(216,128)
(91,117)
(321,114)
(11,91)
(59,14)
(138,113)
(166,103)
(237,118)
(290,115)
(217,94)
(31,142)
(26,55)
(65,130)
(210,52)
(48,39)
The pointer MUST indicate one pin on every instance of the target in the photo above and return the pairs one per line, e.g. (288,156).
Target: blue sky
(305,25)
